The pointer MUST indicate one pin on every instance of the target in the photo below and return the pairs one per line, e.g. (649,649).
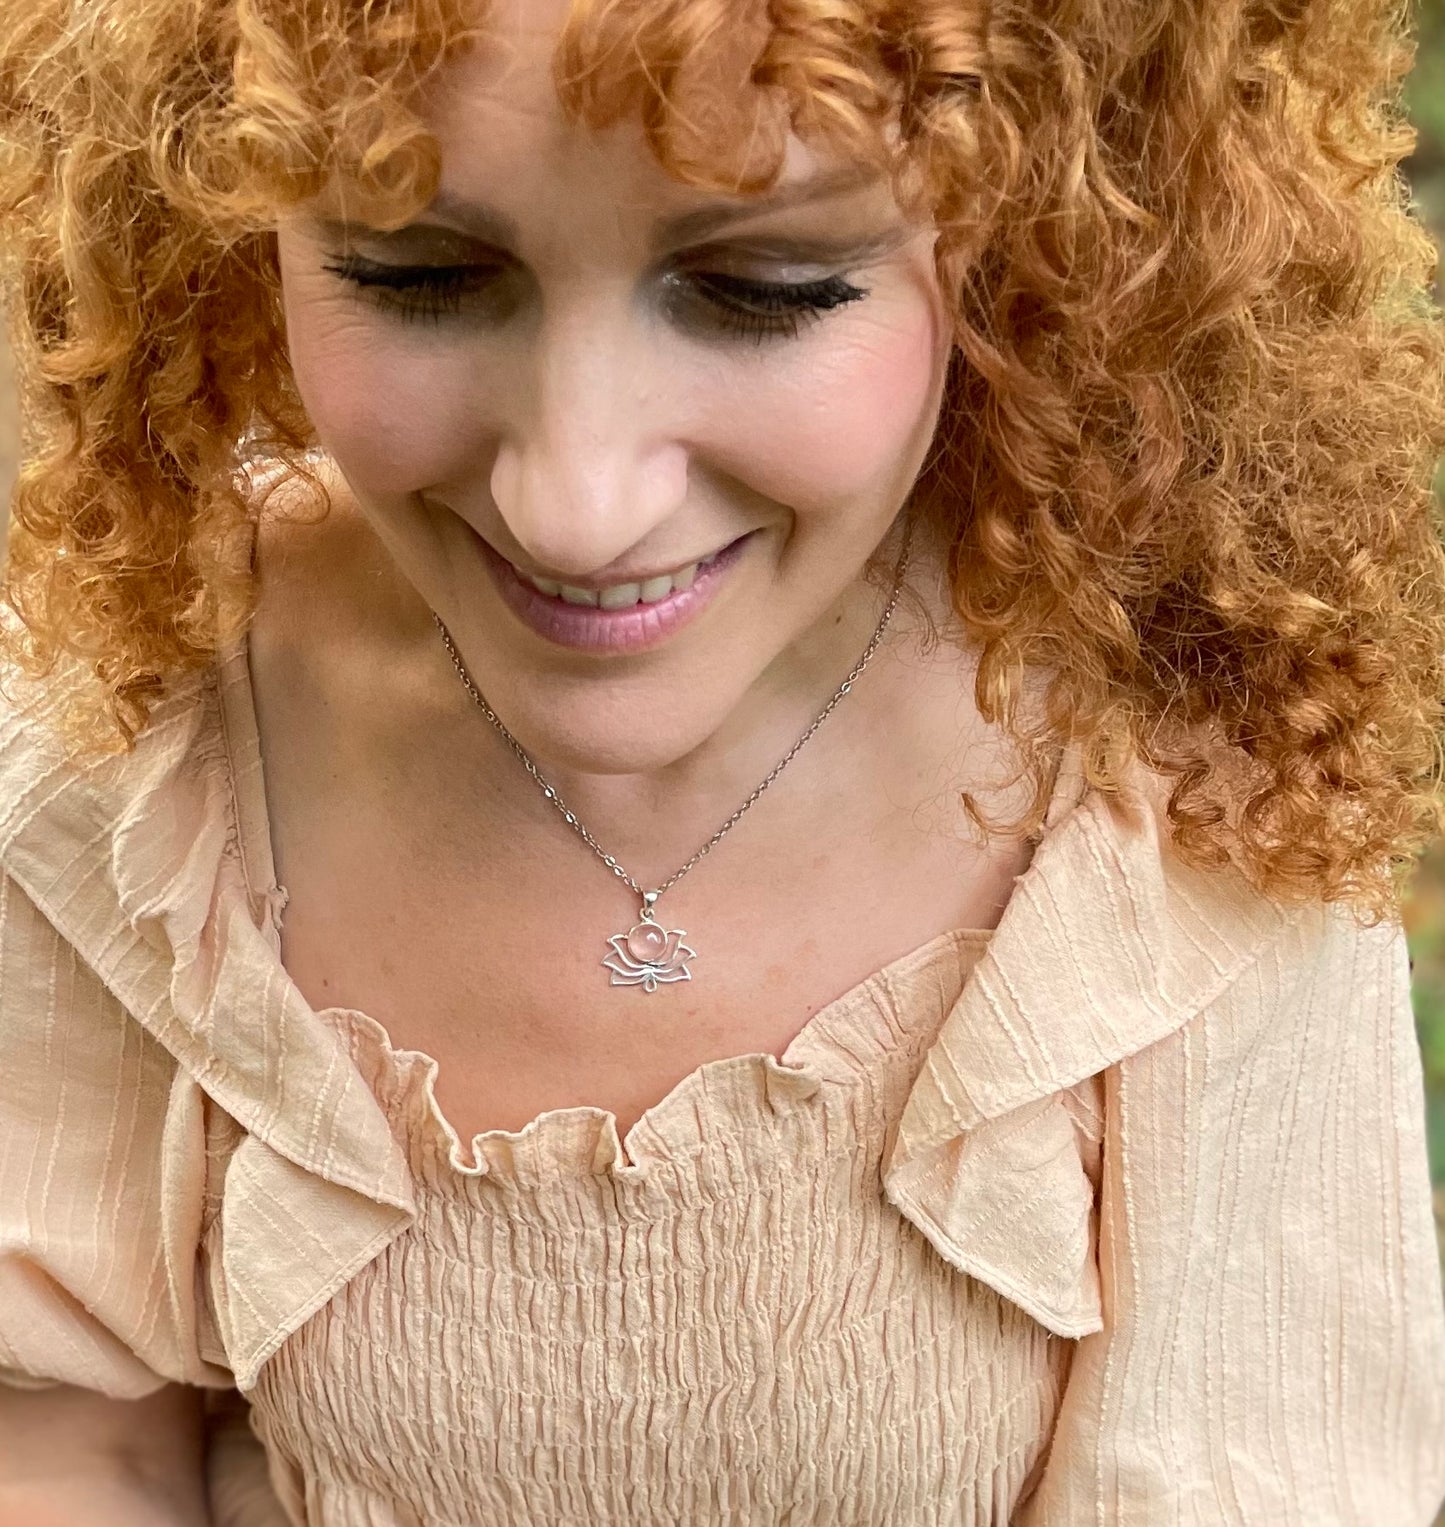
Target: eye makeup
(426,293)
(760,310)
(735,305)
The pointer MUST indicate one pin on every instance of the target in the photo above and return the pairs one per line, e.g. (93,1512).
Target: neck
(898,735)
(899,739)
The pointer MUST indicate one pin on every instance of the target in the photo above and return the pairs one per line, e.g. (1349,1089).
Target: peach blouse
(1118,1216)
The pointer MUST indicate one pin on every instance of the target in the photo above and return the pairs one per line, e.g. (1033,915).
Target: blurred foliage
(1425,910)
(1426,87)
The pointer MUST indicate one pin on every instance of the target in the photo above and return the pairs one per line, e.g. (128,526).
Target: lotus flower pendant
(648,955)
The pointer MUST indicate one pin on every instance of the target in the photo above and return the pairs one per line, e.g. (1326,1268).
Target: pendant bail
(649,900)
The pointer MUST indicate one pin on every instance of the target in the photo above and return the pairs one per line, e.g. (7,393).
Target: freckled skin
(580,426)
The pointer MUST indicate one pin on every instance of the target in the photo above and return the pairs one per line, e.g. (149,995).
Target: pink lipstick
(589,628)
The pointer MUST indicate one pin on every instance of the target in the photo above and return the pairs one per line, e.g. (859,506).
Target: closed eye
(735,304)
(761,309)
(414,291)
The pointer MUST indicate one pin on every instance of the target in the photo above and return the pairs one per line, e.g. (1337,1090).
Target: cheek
(388,406)
(852,422)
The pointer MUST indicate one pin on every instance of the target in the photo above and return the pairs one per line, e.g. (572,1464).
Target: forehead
(508,121)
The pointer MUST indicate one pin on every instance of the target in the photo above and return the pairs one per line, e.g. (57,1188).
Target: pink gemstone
(646,942)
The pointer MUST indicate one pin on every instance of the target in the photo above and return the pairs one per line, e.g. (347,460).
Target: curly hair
(1196,395)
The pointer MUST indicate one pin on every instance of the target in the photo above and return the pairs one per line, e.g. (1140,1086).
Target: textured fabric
(1117,1215)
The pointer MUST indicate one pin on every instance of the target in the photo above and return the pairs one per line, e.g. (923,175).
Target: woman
(774,667)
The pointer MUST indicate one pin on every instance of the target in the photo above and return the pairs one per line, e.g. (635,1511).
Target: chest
(449,902)
(494,963)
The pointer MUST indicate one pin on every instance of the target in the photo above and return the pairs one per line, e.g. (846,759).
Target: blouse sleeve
(1273,1350)
(102,1180)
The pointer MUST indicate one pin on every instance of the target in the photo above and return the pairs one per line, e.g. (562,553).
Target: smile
(620,618)
(622,596)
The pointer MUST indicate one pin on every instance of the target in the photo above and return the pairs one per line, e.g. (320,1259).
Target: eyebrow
(484,222)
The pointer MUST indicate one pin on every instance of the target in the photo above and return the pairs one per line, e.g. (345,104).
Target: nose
(589,462)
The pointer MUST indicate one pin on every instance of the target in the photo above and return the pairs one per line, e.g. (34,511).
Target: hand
(238,1479)
(90,1499)
(72,1457)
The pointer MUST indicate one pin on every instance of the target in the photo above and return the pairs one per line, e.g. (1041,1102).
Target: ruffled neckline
(1108,943)
(834,1050)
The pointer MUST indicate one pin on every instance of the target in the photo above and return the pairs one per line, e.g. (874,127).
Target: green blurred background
(1425,910)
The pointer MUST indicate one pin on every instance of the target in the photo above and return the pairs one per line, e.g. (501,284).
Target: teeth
(622,596)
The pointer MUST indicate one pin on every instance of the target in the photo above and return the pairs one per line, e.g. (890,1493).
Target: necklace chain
(571,817)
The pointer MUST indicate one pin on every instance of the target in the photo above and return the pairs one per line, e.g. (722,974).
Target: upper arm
(1273,1353)
(102,1180)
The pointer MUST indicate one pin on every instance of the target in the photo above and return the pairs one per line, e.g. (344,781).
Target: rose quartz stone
(646,942)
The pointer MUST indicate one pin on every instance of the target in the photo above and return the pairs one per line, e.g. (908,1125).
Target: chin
(595,738)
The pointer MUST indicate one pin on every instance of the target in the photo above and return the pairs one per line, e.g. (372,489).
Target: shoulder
(48,772)
(1113,942)
(86,834)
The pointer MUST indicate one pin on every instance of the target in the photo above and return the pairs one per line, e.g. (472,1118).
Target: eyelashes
(738,306)
(429,292)
(768,309)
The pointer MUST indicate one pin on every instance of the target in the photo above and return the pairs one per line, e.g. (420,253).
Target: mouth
(623,620)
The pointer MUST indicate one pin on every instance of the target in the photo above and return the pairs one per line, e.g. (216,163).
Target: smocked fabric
(734,1326)
(1118,1214)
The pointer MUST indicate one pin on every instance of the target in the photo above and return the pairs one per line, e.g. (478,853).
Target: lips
(589,628)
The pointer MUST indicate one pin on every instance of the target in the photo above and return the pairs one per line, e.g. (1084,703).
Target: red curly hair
(1196,397)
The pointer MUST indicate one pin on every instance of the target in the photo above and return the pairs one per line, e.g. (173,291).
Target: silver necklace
(648,954)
